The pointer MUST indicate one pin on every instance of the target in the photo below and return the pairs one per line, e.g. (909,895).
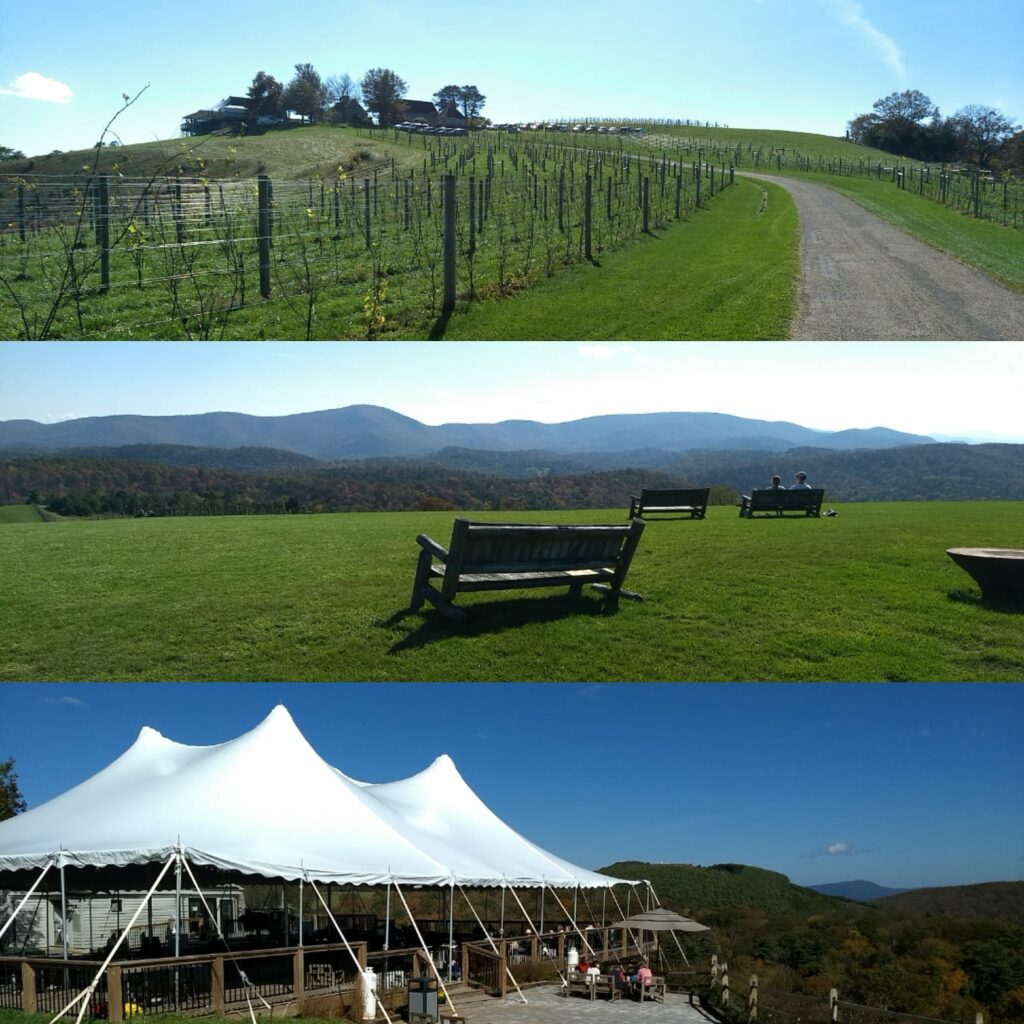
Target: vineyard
(414,228)
(384,251)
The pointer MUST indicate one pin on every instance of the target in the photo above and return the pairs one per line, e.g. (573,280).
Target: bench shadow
(489,618)
(1001,605)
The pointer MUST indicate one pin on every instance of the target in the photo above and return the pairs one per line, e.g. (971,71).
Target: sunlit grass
(867,595)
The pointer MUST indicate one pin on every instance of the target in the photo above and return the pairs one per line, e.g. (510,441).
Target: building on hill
(348,111)
(419,111)
(230,115)
(451,117)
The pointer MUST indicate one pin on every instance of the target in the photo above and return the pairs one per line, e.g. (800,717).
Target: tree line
(909,124)
(110,487)
(335,98)
(880,954)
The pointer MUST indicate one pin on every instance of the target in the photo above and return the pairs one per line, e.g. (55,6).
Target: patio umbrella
(662,920)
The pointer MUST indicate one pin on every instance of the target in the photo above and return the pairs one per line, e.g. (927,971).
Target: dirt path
(864,279)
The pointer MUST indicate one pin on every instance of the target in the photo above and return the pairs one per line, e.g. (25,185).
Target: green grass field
(20,514)
(869,595)
(729,272)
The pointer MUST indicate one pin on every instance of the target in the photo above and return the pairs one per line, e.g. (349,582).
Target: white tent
(267,804)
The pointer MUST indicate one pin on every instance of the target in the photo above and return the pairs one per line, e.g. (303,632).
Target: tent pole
(511,976)
(542,897)
(351,951)
(177,907)
(430,959)
(63,912)
(387,918)
(220,935)
(85,995)
(27,897)
(576,904)
(301,915)
(604,908)
(501,921)
(572,921)
(451,927)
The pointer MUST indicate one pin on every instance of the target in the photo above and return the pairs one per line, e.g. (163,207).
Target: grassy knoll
(20,514)
(869,595)
(990,247)
(299,153)
(727,273)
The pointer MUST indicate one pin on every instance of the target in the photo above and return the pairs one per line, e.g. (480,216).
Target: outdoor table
(998,571)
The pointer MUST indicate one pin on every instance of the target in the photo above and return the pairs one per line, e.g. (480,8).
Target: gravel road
(863,279)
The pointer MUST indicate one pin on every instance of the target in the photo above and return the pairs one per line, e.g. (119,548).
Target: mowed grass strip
(20,514)
(868,595)
(727,272)
(990,247)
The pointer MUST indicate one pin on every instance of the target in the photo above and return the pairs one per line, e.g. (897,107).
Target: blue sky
(807,65)
(901,784)
(970,390)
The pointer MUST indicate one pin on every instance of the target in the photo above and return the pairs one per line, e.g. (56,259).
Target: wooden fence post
(588,208)
(217,986)
(179,217)
(299,974)
(21,213)
(725,984)
(472,216)
(263,230)
(29,1001)
(115,995)
(646,201)
(503,967)
(103,232)
(366,211)
(449,207)
(833,1005)
(752,999)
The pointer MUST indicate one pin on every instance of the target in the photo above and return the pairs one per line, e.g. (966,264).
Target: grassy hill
(869,595)
(309,152)
(691,889)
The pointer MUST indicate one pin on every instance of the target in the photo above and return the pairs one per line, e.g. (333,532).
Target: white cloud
(851,14)
(72,701)
(34,86)
(834,849)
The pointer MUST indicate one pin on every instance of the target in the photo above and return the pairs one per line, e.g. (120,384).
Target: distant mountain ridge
(368,431)
(860,889)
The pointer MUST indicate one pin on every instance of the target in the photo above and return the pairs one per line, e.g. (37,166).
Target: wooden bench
(512,556)
(655,990)
(679,501)
(592,986)
(771,502)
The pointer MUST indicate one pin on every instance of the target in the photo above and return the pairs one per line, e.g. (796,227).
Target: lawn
(728,272)
(867,595)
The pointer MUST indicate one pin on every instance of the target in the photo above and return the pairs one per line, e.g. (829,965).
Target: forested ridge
(945,953)
(174,479)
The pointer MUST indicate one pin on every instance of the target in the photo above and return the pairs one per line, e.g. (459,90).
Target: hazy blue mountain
(860,889)
(367,431)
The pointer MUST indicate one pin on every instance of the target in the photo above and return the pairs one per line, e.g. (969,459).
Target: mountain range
(859,889)
(368,431)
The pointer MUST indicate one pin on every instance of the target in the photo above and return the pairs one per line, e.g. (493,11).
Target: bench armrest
(433,547)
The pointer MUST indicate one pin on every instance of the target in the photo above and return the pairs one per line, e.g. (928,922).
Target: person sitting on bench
(801,482)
